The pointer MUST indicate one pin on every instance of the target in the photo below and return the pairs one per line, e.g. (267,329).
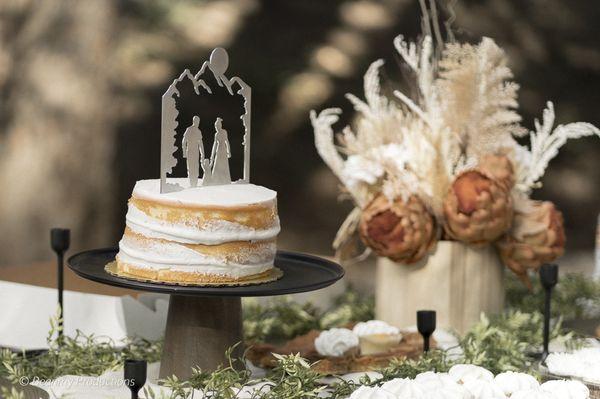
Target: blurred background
(81,81)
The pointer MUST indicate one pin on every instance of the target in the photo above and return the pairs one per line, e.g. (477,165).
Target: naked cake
(208,234)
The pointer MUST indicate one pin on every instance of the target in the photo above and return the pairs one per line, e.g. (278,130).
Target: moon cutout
(219,60)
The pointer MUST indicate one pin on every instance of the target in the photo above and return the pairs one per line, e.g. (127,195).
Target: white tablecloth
(27,310)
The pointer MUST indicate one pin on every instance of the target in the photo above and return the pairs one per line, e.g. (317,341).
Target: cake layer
(194,231)
(171,253)
(182,276)
(225,196)
(233,260)
(194,216)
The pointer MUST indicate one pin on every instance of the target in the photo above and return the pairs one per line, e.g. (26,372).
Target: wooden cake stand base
(198,330)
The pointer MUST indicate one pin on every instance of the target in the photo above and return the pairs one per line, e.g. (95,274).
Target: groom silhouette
(193,150)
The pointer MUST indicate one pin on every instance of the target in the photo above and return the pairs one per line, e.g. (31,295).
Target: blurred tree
(57,136)
(80,87)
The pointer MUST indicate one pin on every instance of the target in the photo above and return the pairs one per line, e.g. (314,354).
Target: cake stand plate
(205,321)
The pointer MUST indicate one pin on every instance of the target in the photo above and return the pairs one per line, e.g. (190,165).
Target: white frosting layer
(176,257)
(213,233)
(229,195)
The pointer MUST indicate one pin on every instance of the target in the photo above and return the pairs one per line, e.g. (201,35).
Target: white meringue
(431,380)
(535,393)
(484,389)
(566,389)
(365,392)
(456,392)
(336,342)
(404,388)
(373,327)
(511,382)
(463,372)
(583,363)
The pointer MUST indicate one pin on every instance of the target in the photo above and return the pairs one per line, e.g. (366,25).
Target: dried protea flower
(537,237)
(403,231)
(477,209)
(500,168)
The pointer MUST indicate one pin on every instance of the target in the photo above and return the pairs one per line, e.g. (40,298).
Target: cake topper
(215,170)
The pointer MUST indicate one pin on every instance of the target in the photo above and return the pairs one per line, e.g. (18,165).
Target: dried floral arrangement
(445,163)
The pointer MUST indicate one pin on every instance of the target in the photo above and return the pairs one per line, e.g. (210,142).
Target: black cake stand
(204,321)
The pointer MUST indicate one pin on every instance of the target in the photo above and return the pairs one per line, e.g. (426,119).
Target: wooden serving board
(410,347)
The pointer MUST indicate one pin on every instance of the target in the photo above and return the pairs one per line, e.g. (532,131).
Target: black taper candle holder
(60,239)
(134,373)
(426,326)
(549,279)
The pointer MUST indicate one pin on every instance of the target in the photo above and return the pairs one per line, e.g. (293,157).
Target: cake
(206,234)
(376,336)
(204,229)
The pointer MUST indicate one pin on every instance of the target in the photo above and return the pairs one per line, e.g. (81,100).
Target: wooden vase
(459,282)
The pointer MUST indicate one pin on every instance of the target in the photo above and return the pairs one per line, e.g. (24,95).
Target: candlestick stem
(549,279)
(60,239)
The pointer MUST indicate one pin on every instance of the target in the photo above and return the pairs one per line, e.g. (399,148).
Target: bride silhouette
(220,155)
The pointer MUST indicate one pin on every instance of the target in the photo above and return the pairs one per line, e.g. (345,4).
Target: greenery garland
(498,343)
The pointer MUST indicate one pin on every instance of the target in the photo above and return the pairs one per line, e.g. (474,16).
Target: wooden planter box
(457,281)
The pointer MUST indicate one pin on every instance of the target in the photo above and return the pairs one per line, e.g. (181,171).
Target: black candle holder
(426,320)
(549,279)
(134,373)
(60,240)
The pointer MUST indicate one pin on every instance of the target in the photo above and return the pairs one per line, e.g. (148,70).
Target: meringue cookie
(365,392)
(463,372)
(511,382)
(566,389)
(484,389)
(534,393)
(457,392)
(336,342)
(583,363)
(431,380)
(404,388)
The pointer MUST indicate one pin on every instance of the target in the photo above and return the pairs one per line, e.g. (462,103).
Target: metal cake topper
(215,170)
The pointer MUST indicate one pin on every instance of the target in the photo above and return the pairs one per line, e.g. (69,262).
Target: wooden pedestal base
(199,330)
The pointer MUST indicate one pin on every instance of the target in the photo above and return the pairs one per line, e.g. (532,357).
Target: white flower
(566,389)
(358,169)
(484,389)
(511,382)
(365,392)
(404,388)
(335,342)
(373,327)
(461,373)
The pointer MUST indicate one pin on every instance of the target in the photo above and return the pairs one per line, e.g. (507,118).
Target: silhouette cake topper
(215,170)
